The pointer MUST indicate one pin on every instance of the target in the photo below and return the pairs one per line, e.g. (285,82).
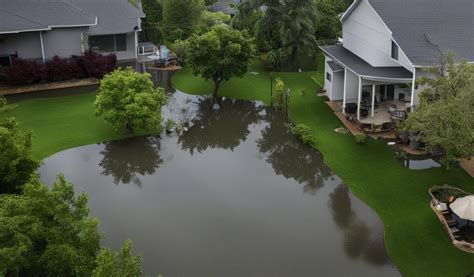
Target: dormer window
(394,51)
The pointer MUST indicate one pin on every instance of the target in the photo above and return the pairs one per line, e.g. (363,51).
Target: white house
(386,46)
(40,30)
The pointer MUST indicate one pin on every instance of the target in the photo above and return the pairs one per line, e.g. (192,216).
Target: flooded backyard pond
(235,195)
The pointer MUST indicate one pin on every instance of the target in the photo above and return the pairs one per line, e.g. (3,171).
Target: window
(120,43)
(109,43)
(328,77)
(394,51)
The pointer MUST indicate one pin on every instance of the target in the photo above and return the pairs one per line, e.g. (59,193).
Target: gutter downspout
(42,46)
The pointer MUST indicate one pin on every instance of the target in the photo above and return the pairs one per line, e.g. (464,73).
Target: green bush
(360,138)
(303,133)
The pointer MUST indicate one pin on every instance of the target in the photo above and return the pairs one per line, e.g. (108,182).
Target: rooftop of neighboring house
(225,6)
(425,28)
(102,16)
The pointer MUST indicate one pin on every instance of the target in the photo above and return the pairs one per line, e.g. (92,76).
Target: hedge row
(89,65)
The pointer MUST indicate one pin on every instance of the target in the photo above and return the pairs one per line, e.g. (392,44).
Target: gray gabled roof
(426,28)
(114,16)
(28,15)
(357,65)
(335,66)
(102,16)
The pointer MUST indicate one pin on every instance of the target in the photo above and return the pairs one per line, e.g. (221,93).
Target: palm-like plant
(298,28)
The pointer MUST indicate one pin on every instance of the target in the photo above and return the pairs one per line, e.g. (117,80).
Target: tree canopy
(49,232)
(181,17)
(129,101)
(220,54)
(16,161)
(445,117)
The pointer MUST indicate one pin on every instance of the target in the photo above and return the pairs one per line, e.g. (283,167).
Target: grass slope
(60,123)
(414,237)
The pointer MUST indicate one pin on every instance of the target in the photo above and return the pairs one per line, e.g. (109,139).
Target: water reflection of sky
(236,195)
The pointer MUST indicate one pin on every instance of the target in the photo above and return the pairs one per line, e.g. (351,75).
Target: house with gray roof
(387,45)
(42,29)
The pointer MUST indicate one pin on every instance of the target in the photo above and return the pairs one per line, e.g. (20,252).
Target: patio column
(344,93)
(359,96)
(413,89)
(373,100)
(42,46)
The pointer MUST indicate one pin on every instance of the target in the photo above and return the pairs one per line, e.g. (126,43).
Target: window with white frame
(328,76)
(108,43)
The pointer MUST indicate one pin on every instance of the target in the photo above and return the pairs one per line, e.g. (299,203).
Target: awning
(357,65)
(464,207)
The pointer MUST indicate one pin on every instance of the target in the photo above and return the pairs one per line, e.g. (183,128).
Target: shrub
(91,64)
(96,65)
(303,133)
(278,97)
(360,138)
(24,72)
(62,69)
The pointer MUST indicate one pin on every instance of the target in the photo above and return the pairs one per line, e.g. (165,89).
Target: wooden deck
(349,125)
(468,166)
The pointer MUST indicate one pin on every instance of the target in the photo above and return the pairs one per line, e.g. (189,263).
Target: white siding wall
(352,87)
(327,84)
(63,42)
(26,44)
(366,35)
(337,86)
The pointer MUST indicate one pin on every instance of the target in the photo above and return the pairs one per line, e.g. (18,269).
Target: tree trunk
(216,90)
(129,127)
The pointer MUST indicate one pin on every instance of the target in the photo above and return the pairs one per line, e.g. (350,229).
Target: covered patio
(371,97)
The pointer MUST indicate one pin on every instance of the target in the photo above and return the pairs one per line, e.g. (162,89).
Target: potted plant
(414,140)
(170,125)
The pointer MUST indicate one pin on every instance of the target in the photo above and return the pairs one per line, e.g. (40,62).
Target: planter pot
(414,144)
(404,137)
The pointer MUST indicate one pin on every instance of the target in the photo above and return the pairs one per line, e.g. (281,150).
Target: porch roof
(352,62)
(335,66)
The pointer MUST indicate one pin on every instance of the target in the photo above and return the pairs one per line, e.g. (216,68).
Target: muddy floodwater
(235,195)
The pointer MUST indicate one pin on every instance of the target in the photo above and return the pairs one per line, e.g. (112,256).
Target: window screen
(394,51)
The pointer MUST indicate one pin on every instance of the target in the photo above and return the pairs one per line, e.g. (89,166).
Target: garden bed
(440,195)
(9,90)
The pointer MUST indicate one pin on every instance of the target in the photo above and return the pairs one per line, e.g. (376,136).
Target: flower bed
(89,65)
(442,193)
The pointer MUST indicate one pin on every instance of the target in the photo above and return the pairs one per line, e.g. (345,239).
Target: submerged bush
(360,138)
(303,133)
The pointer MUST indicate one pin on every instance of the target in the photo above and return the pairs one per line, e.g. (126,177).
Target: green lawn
(414,237)
(60,123)
(415,240)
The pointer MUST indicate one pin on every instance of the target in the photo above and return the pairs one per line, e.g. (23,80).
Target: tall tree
(445,117)
(289,26)
(16,161)
(220,54)
(49,232)
(180,17)
(298,28)
(247,16)
(120,264)
(152,22)
(129,101)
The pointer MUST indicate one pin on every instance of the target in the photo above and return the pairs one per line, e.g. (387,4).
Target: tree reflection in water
(358,238)
(225,128)
(124,160)
(290,158)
